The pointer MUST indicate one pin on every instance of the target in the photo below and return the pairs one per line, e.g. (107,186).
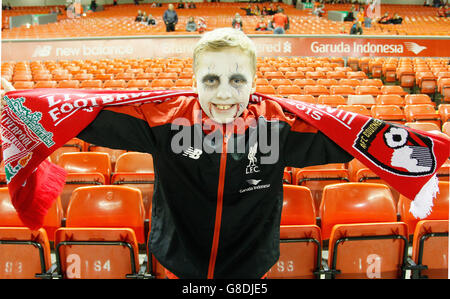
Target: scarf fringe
(51,180)
(422,204)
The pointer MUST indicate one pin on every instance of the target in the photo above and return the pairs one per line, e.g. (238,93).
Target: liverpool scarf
(37,122)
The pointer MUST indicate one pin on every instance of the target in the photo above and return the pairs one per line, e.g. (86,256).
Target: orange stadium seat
(307,98)
(286,90)
(24,253)
(414,99)
(300,241)
(393,89)
(315,90)
(166,83)
(423,126)
(444,112)
(45,84)
(91,84)
(317,177)
(439,210)
(10,218)
(73,145)
(114,84)
(83,168)
(422,113)
(18,85)
(343,90)
(389,113)
(355,109)
(390,99)
(103,228)
(430,249)
(367,90)
(137,83)
(136,170)
(266,89)
(365,241)
(332,100)
(68,84)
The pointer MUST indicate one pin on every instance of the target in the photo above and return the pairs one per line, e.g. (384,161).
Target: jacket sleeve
(306,146)
(129,127)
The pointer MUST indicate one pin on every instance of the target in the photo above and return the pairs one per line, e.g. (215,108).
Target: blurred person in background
(170,18)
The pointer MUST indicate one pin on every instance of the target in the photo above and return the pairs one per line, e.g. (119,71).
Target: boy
(219,163)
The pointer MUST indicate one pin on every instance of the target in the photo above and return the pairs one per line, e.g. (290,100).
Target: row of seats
(119,21)
(105,225)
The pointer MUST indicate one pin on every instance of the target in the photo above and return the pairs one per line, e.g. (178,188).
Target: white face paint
(224,81)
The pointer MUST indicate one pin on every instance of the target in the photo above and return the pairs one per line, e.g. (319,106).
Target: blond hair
(225,38)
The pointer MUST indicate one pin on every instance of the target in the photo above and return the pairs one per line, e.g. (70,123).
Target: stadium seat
(300,241)
(423,126)
(136,170)
(73,145)
(91,84)
(422,113)
(315,90)
(355,109)
(390,99)
(45,84)
(365,241)
(430,249)
(10,218)
(372,82)
(166,83)
(286,90)
(415,99)
(365,100)
(352,198)
(444,112)
(393,89)
(439,210)
(114,84)
(266,89)
(277,82)
(307,98)
(83,168)
(389,113)
(103,229)
(18,85)
(319,176)
(426,82)
(137,83)
(24,253)
(368,250)
(332,100)
(367,90)
(343,90)
(112,153)
(68,84)
(406,77)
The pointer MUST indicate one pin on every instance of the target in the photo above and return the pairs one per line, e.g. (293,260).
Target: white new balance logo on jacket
(192,153)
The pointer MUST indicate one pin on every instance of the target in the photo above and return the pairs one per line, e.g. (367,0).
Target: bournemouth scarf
(36,122)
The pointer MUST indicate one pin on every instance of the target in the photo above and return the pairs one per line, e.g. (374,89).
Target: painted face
(224,81)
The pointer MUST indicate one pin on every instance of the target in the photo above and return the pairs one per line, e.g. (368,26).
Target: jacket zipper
(220,188)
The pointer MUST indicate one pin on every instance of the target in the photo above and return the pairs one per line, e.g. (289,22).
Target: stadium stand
(328,225)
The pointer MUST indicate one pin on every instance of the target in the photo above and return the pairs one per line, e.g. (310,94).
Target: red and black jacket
(215,213)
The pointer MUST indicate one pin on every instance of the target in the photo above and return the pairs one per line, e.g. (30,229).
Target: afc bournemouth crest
(395,149)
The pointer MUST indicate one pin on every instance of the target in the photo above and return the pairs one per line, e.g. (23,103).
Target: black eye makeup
(211,80)
(238,80)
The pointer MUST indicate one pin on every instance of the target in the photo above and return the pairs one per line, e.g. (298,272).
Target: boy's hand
(6,86)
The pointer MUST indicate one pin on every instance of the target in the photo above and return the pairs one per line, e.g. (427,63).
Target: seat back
(136,170)
(389,113)
(300,253)
(298,206)
(83,169)
(349,203)
(24,253)
(96,253)
(107,207)
(430,248)
(439,210)
(368,250)
(319,176)
(10,218)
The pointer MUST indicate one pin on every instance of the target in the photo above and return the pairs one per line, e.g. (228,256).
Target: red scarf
(37,122)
